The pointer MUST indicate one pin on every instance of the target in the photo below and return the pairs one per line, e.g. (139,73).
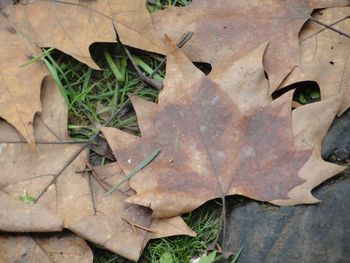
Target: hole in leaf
(204,67)
(305,92)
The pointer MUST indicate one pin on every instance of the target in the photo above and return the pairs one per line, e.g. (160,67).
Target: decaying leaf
(223,135)
(122,227)
(39,248)
(19,86)
(67,203)
(239,27)
(325,55)
(78,24)
(46,174)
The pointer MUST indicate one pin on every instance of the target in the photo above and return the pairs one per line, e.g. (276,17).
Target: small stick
(154,83)
(184,39)
(54,179)
(105,186)
(336,22)
(138,226)
(92,192)
(329,27)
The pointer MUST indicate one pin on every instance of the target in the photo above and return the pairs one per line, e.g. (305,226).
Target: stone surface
(336,145)
(301,234)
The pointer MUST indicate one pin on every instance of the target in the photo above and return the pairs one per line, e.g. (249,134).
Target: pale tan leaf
(119,226)
(325,55)
(40,248)
(66,202)
(78,24)
(221,27)
(19,86)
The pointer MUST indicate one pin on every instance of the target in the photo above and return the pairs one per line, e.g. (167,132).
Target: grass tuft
(205,221)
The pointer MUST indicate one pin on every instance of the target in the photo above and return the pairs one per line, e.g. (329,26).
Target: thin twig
(329,27)
(104,185)
(184,39)
(54,179)
(137,225)
(151,81)
(324,28)
(89,174)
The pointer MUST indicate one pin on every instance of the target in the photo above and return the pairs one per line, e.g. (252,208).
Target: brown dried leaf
(223,135)
(68,202)
(39,248)
(325,55)
(67,198)
(19,86)
(101,147)
(239,27)
(72,26)
(112,227)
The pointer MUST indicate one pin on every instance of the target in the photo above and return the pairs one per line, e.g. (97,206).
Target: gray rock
(317,233)
(336,144)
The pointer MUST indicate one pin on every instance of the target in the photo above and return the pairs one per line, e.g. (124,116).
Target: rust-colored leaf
(325,55)
(239,27)
(19,86)
(72,26)
(223,135)
(52,176)
(39,248)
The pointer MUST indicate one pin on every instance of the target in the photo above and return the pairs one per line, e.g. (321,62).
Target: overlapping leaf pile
(218,135)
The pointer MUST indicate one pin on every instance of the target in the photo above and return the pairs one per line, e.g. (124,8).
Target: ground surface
(306,233)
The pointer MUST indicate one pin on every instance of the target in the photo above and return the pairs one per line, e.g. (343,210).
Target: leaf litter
(240,26)
(63,197)
(213,135)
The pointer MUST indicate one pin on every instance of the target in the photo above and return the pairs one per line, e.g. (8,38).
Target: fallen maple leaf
(60,248)
(325,55)
(63,197)
(223,135)
(72,26)
(19,86)
(239,27)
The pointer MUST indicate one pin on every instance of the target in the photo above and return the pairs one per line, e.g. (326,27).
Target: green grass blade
(139,62)
(86,81)
(118,75)
(134,171)
(36,58)
(57,80)
(235,258)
